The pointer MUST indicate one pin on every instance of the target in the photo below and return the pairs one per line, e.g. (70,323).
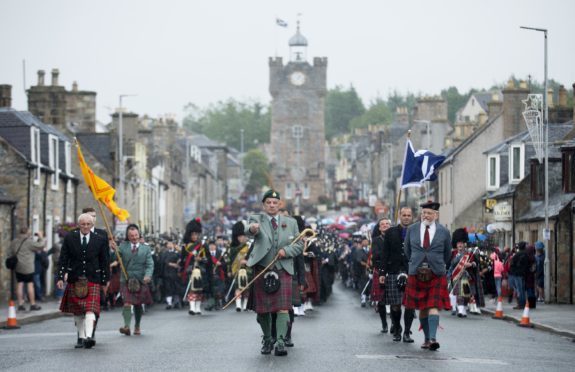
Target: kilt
(195,296)
(272,303)
(142,297)
(377,290)
(425,295)
(295,293)
(80,306)
(393,295)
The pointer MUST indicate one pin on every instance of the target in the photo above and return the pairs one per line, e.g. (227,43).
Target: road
(339,336)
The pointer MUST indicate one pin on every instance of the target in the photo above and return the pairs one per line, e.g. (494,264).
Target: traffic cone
(525,322)
(499,309)
(11,322)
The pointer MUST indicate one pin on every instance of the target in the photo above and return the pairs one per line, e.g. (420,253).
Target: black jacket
(394,260)
(91,262)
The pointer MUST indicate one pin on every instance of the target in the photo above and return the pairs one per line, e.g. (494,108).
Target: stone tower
(298,91)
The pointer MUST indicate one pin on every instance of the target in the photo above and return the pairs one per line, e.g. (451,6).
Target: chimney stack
(41,74)
(513,107)
(75,87)
(5,95)
(562,96)
(55,73)
(550,103)
(494,106)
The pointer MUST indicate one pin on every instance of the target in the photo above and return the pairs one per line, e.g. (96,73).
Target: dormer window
(68,165)
(516,163)
(537,180)
(493,172)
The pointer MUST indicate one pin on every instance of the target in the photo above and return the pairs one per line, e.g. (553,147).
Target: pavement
(558,319)
(50,310)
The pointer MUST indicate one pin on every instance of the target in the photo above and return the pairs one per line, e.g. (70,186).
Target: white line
(431,358)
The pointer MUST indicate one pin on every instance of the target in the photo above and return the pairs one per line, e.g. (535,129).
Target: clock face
(297,78)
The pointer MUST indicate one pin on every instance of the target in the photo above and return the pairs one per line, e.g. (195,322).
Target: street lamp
(546,232)
(121,148)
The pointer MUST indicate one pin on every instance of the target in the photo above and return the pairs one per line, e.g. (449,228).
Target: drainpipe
(45,202)
(29,196)
(513,218)
(556,225)
(571,256)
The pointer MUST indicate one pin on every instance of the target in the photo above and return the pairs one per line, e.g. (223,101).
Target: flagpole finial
(409,133)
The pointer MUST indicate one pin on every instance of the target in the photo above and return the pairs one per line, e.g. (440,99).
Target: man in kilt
(137,259)
(378,285)
(84,266)
(273,235)
(428,249)
(394,275)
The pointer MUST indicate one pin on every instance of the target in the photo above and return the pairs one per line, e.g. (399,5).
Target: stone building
(298,91)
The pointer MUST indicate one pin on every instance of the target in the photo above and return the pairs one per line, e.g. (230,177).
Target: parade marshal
(273,235)
(428,250)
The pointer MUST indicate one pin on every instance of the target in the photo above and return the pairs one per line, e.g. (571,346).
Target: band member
(170,278)
(196,267)
(217,275)
(394,272)
(239,272)
(273,235)
(84,266)
(428,249)
(377,287)
(137,259)
(311,266)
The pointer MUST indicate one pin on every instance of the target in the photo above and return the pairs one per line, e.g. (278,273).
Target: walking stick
(231,287)
(366,284)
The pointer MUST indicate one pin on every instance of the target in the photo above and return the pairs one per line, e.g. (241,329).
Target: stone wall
(5,239)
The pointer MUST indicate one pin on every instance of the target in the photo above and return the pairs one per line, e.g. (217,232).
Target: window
(68,165)
(305,191)
(568,165)
(516,163)
(53,157)
(289,191)
(492,172)
(35,152)
(537,180)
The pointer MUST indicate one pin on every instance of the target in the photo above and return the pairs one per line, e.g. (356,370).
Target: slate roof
(99,145)
(536,212)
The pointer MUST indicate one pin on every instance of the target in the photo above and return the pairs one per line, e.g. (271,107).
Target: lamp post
(546,232)
(121,148)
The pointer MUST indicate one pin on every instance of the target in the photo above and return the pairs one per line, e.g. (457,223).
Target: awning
(499,227)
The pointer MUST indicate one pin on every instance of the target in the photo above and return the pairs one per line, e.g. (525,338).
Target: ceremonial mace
(307,233)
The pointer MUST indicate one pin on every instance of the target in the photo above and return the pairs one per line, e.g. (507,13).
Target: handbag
(271,282)
(424,274)
(81,287)
(12,261)
(133,285)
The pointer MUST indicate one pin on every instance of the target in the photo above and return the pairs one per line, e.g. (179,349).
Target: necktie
(84,242)
(274,223)
(426,238)
(134,248)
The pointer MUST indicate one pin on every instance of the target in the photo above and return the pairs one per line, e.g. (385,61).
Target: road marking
(432,358)
(51,334)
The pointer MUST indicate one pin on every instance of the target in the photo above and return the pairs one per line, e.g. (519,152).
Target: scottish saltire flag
(419,166)
(280,22)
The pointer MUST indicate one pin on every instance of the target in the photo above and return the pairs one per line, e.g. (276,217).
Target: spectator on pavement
(540,270)
(25,247)
(517,272)
(530,276)
(497,270)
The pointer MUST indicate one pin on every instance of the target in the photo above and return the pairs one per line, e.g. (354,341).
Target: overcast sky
(172,52)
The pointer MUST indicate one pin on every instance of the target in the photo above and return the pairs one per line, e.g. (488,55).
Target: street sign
(546,234)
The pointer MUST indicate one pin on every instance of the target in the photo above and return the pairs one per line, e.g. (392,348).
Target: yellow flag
(101,190)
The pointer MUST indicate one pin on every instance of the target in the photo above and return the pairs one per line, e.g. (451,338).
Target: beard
(426,222)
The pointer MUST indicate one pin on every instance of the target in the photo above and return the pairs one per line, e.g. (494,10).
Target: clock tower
(297,154)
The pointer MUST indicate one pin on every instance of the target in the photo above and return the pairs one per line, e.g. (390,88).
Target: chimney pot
(41,74)
(55,73)
(523,84)
(75,87)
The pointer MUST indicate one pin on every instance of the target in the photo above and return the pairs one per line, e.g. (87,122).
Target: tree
(455,101)
(377,114)
(341,107)
(256,163)
(224,121)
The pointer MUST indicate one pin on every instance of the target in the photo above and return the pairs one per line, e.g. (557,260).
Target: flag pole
(400,188)
(111,238)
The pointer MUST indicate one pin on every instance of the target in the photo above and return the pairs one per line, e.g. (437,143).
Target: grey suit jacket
(438,255)
(268,242)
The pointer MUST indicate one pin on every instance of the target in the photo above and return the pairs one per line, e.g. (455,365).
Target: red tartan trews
(272,303)
(80,306)
(426,295)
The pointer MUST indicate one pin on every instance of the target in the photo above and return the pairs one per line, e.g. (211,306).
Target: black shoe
(433,345)
(191,312)
(384,328)
(392,329)
(79,344)
(280,349)
(238,309)
(288,342)
(267,346)
(21,308)
(88,343)
(35,307)
(397,334)
(169,307)
(407,338)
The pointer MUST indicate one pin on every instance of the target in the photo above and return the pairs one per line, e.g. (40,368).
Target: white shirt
(432,229)
(82,238)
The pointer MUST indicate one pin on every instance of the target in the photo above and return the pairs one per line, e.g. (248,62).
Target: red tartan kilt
(114,286)
(142,297)
(271,303)
(310,281)
(426,295)
(377,290)
(80,306)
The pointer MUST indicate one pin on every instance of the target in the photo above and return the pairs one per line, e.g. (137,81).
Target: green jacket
(138,265)
(267,242)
